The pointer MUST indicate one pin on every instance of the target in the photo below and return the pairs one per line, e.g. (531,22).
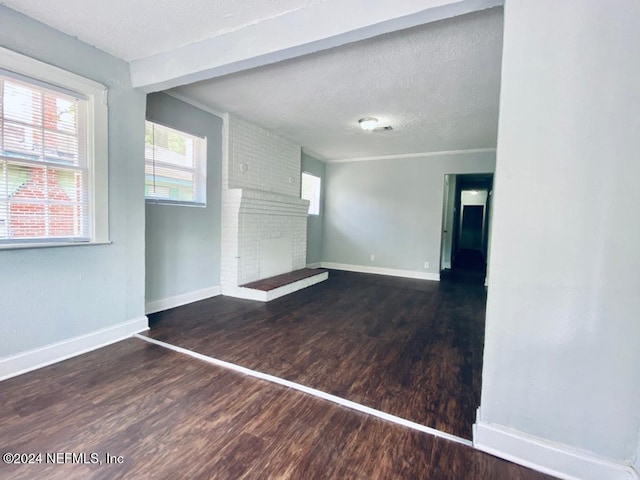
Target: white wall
(262,212)
(54,294)
(183,243)
(562,361)
(259,159)
(392,209)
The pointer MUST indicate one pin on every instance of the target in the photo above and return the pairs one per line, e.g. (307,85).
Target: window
(175,166)
(311,192)
(53,159)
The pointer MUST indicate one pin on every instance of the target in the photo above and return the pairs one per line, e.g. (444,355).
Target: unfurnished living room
(308,239)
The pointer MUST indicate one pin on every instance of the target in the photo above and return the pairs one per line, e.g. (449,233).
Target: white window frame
(309,199)
(199,171)
(96,131)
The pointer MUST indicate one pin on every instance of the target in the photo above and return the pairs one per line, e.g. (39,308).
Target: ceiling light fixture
(368,123)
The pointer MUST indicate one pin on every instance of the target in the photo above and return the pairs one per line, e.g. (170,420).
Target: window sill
(151,201)
(25,246)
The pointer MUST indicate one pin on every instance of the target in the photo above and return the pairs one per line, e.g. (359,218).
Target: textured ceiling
(437,85)
(133,29)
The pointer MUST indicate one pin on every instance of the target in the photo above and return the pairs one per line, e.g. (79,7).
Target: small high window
(175,166)
(311,191)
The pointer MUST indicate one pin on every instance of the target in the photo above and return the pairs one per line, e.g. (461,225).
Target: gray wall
(183,243)
(561,350)
(315,223)
(391,208)
(53,294)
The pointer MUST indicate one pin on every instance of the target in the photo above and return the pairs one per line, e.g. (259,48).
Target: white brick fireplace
(264,221)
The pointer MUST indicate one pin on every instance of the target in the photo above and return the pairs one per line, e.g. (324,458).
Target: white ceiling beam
(322,26)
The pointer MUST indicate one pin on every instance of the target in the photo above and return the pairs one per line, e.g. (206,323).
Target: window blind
(44,190)
(174,166)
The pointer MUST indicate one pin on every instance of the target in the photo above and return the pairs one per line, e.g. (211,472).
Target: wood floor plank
(171,416)
(271,283)
(412,348)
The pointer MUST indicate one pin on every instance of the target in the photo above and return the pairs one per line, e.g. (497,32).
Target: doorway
(466,226)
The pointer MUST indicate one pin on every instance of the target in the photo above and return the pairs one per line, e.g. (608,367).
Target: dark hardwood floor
(412,348)
(170,416)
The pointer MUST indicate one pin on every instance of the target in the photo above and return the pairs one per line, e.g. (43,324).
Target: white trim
(25,246)
(311,391)
(411,155)
(393,272)
(314,265)
(56,352)
(30,67)
(96,131)
(267,296)
(165,160)
(545,456)
(195,103)
(182,299)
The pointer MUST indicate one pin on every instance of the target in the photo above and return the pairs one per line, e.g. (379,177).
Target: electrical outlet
(373,257)
(426,264)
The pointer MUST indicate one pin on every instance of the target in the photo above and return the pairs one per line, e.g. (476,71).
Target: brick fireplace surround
(264,221)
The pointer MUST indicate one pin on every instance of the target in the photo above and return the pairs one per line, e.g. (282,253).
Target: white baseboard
(56,352)
(382,271)
(182,299)
(314,265)
(545,456)
(260,295)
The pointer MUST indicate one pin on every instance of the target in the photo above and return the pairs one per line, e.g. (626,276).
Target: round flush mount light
(368,123)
